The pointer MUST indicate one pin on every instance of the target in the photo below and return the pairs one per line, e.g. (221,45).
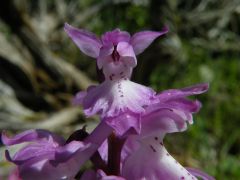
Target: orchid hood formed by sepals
(115,51)
(127,144)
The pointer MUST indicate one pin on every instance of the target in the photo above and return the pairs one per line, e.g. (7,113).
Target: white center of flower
(116,70)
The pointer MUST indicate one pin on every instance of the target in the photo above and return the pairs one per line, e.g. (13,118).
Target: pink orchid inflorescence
(127,144)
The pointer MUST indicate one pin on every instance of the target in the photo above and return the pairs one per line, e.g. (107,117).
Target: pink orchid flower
(116,54)
(49,157)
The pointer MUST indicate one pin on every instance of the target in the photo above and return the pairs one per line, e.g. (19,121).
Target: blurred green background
(41,69)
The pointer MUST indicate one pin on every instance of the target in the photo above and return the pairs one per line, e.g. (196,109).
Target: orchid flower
(49,157)
(171,114)
(130,123)
(115,53)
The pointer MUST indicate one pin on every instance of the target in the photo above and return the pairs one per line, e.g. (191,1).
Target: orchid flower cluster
(127,144)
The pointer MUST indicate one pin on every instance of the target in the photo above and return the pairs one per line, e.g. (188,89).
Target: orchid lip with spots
(115,53)
(127,144)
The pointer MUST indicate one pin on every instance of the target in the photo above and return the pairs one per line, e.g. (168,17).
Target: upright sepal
(87,42)
(141,40)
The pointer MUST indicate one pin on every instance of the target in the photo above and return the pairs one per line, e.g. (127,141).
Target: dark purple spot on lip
(121,73)
(156,138)
(154,150)
(182,177)
(167,154)
(161,143)
(121,96)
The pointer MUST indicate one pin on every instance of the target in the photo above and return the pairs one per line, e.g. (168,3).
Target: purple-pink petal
(99,175)
(45,158)
(114,37)
(185,105)
(45,151)
(125,124)
(103,176)
(87,42)
(64,153)
(152,161)
(78,99)
(179,93)
(162,121)
(111,98)
(105,55)
(31,135)
(141,40)
(127,54)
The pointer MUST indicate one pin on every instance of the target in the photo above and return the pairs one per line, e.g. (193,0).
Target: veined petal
(87,42)
(141,40)
(111,98)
